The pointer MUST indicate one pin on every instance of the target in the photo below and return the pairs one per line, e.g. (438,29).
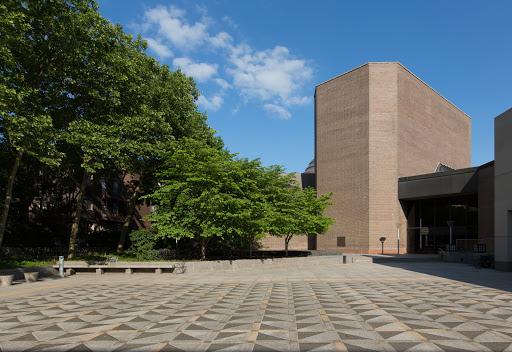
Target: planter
(31,277)
(6,280)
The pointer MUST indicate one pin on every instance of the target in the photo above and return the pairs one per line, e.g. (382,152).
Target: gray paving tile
(404,307)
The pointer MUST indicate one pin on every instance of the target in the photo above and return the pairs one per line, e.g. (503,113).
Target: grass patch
(14,263)
(98,257)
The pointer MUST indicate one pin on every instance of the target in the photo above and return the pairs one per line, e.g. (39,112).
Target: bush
(143,244)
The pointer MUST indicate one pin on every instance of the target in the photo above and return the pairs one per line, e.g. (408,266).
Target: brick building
(373,125)
(397,156)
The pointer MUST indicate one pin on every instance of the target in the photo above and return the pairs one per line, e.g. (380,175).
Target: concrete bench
(6,280)
(348,259)
(118,267)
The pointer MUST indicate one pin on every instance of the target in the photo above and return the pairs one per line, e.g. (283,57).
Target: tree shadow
(486,277)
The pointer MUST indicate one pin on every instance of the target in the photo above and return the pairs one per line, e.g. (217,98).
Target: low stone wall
(44,271)
(259,264)
(206,266)
(459,257)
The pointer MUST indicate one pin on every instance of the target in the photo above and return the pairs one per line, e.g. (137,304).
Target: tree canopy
(206,192)
(75,87)
(80,97)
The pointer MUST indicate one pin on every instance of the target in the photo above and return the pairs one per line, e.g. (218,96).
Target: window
(341,242)
(115,187)
(114,208)
(89,180)
(90,205)
(103,187)
(103,210)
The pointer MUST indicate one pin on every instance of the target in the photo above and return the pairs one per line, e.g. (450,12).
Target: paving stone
(361,307)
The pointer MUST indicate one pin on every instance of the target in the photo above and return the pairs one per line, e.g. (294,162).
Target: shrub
(143,244)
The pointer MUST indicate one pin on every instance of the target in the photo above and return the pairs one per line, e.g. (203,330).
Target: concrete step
(396,258)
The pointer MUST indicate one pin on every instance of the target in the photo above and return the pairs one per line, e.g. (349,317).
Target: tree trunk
(203,241)
(286,242)
(129,217)
(78,216)
(8,194)
(250,246)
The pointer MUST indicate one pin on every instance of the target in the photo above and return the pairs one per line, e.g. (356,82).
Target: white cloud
(299,100)
(270,74)
(221,40)
(222,83)
(273,77)
(201,9)
(212,105)
(279,110)
(173,26)
(229,21)
(160,49)
(200,71)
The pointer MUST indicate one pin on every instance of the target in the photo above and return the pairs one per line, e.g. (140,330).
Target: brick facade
(277,243)
(373,125)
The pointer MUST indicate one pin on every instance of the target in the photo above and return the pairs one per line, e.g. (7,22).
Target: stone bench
(348,259)
(128,267)
(6,280)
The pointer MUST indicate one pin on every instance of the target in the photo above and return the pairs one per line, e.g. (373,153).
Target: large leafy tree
(194,199)
(298,212)
(206,192)
(261,186)
(39,46)
(73,85)
(167,112)
(107,91)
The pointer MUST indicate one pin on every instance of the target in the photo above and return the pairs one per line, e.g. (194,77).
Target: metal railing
(476,245)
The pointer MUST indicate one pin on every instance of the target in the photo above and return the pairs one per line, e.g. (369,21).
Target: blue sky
(257,62)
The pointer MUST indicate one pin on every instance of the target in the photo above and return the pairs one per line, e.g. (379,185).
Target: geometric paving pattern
(283,310)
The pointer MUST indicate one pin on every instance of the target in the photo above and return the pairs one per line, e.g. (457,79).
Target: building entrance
(434,223)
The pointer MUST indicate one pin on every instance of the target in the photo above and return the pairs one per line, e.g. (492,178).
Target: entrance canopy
(439,184)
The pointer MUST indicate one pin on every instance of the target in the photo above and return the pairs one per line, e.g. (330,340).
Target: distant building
(106,204)
(397,156)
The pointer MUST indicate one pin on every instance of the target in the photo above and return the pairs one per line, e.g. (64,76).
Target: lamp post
(398,236)
(61,266)
(451,223)
(382,239)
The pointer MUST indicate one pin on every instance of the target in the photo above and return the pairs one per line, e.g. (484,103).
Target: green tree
(80,87)
(299,212)
(194,199)
(105,91)
(37,56)
(206,192)
(259,188)
(168,113)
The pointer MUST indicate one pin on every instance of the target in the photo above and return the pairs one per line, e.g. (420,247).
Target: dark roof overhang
(441,184)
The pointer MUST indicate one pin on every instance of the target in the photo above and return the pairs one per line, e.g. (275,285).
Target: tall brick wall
(432,129)
(374,124)
(383,203)
(277,243)
(341,151)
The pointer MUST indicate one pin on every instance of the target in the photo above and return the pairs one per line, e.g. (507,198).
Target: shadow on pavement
(490,278)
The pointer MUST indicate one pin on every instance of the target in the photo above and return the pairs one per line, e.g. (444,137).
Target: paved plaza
(430,306)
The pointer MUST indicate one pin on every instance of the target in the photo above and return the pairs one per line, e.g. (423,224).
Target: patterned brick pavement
(358,307)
